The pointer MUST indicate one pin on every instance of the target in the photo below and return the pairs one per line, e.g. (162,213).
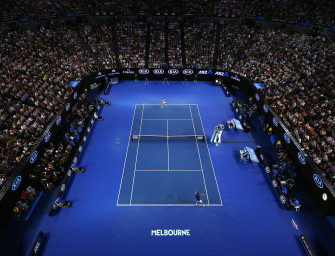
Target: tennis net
(162,138)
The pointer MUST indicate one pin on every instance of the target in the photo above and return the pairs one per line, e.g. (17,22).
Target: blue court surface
(143,164)
(168,159)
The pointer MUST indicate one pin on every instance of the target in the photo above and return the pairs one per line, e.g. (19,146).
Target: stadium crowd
(36,65)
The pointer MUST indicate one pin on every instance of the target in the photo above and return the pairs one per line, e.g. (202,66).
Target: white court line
(210,156)
(175,205)
(166,119)
(167,142)
(168,104)
(138,144)
(168,170)
(203,176)
(125,160)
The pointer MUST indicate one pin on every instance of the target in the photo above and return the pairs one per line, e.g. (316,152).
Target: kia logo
(16,183)
(173,71)
(275,122)
(265,107)
(68,107)
(33,157)
(301,158)
(47,137)
(158,71)
(75,95)
(257,96)
(187,72)
(318,181)
(287,138)
(274,183)
(59,120)
(144,71)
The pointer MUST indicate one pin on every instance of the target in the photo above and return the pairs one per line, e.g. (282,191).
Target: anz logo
(173,71)
(68,107)
(318,181)
(301,158)
(75,95)
(33,157)
(257,96)
(265,107)
(47,137)
(275,122)
(287,138)
(16,183)
(59,120)
(158,71)
(187,72)
(144,71)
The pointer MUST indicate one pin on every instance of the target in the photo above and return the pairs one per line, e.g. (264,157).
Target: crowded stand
(132,42)
(264,8)
(195,7)
(292,10)
(229,9)
(34,86)
(174,45)
(73,6)
(100,41)
(323,14)
(199,44)
(296,70)
(298,74)
(168,7)
(232,39)
(157,43)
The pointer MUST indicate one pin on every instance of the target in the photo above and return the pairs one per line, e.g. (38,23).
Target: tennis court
(167,158)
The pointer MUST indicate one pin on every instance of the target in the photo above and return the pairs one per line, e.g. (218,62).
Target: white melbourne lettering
(170,232)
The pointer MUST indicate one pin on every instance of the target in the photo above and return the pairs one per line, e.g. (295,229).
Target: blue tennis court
(123,201)
(167,158)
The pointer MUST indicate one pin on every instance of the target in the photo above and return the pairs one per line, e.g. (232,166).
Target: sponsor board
(302,158)
(187,72)
(275,122)
(287,138)
(265,107)
(173,71)
(16,183)
(158,71)
(128,71)
(47,137)
(318,180)
(257,96)
(33,157)
(59,120)
(143,71)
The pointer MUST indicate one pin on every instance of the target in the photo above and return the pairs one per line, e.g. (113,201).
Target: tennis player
(198,197)
(164,103)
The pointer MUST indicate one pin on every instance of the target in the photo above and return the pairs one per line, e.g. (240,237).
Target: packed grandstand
(47,43)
